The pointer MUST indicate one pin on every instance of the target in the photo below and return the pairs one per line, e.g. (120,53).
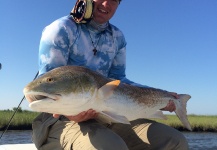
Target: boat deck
(18,147)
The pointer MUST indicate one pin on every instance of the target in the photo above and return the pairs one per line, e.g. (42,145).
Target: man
(100,46)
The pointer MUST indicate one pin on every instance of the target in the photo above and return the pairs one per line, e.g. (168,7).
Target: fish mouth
(32,97)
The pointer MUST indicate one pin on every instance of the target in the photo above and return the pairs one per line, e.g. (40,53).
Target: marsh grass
(23,121)
(198,123)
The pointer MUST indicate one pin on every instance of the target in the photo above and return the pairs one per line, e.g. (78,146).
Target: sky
(171,45)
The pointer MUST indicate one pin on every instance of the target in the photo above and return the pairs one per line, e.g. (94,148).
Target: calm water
(197,141)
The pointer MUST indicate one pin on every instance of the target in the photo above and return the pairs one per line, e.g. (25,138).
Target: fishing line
(15,112)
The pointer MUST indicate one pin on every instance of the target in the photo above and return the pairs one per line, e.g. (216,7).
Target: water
(16,137)
(197,141)
(202,141)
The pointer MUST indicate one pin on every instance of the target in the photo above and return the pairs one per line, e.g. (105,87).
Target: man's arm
(54,45)
(117,71)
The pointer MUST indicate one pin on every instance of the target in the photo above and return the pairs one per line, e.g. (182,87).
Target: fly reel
(82,11)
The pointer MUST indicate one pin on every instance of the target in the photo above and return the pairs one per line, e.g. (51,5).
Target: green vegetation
(199,123)
(23,120)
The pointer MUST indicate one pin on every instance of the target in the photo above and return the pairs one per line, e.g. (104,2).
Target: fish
(69,90)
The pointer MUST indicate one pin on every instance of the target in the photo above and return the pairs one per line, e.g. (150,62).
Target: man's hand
(83,116)
(171,106)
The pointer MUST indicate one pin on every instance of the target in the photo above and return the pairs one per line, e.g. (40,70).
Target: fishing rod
(15,112)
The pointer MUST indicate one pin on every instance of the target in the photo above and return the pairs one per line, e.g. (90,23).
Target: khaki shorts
(60,134)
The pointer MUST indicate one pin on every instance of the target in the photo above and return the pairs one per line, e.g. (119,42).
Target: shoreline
(181,129)
(23,121)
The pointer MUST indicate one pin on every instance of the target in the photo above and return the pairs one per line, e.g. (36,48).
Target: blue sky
(172,45)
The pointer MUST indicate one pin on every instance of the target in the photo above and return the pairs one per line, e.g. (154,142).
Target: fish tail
(181,111)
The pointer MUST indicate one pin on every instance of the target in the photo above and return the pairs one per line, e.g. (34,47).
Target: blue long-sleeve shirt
(65,42)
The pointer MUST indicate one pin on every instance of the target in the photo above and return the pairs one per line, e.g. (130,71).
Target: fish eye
(50,79)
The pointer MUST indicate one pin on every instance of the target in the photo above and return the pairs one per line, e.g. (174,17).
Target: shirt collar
(92,25)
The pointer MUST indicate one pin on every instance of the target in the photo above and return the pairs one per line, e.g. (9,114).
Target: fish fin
(107,90)
(158,115)
(181,111)
(110,117)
